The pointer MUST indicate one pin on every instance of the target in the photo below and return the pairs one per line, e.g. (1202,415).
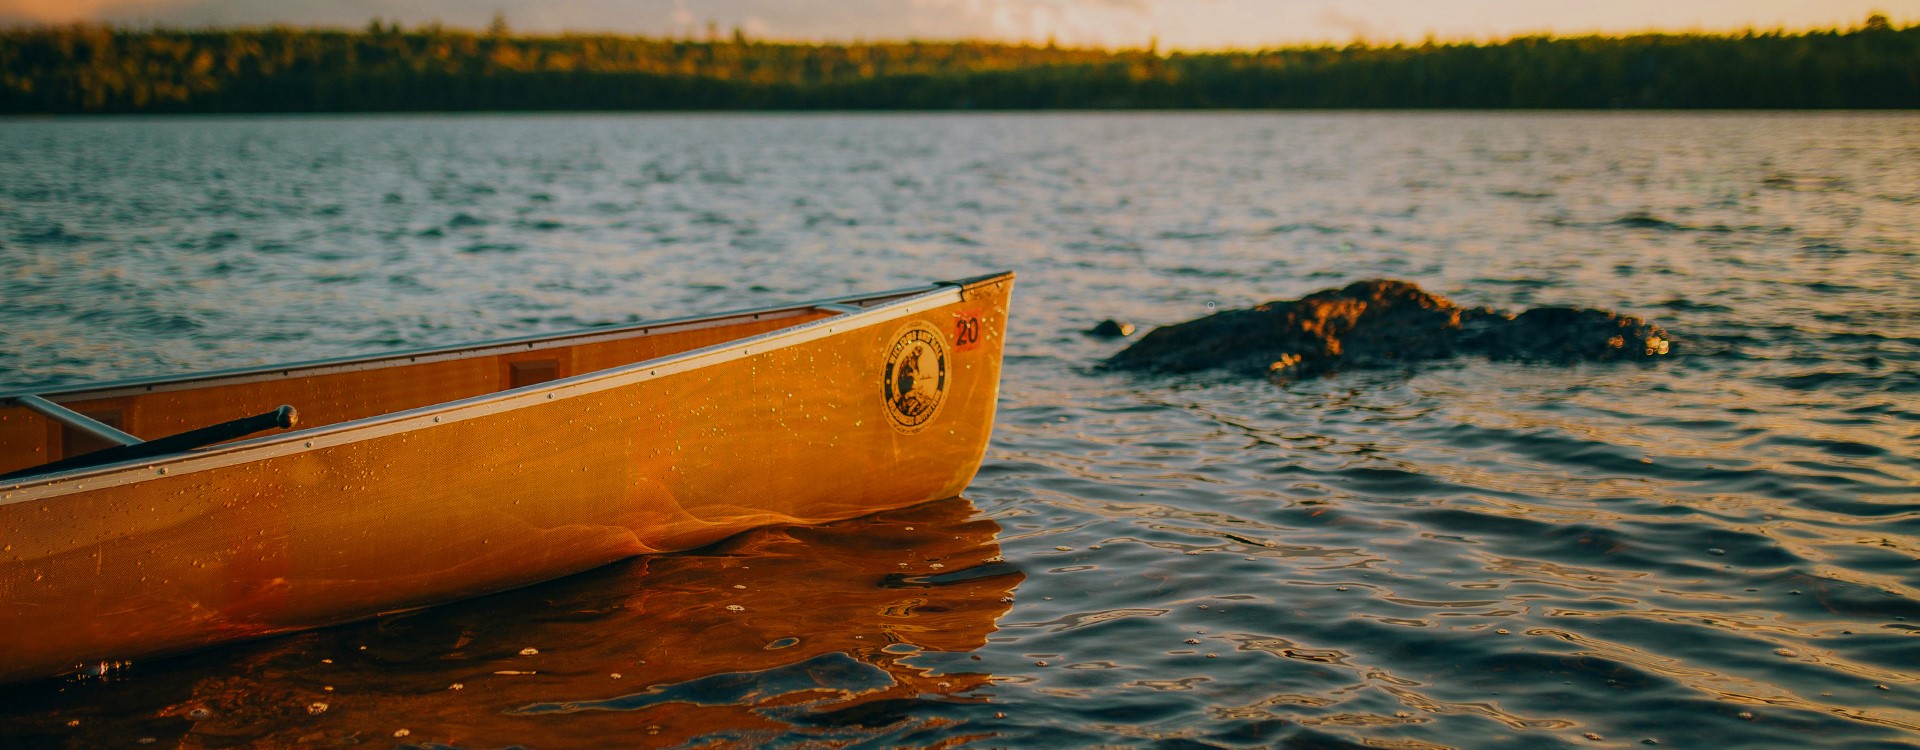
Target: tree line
(99,69)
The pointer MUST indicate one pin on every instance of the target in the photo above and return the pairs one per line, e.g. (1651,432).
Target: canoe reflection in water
(786,630)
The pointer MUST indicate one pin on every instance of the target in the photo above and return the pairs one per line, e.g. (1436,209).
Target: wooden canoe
(428,476)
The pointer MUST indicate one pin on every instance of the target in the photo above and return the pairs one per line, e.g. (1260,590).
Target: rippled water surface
(1716,551)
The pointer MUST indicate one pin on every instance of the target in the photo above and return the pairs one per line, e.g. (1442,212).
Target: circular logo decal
(915,381)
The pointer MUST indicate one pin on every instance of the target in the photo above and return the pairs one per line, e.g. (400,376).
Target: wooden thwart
(73,420)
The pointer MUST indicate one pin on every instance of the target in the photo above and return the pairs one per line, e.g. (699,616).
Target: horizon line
(738,32)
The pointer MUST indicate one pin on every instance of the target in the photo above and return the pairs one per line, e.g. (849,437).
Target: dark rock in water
(1111,329)
(1571,334)
(1381,323)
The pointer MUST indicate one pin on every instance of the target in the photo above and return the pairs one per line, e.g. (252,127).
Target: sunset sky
(1184,24)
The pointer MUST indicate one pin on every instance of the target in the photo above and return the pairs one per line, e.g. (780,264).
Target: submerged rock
(1383,322)
(1111,329)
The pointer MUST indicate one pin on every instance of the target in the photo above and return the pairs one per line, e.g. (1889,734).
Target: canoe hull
(803,425)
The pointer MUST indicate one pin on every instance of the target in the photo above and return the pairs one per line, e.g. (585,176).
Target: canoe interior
(341,391)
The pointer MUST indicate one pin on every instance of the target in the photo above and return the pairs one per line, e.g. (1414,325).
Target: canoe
(408,479)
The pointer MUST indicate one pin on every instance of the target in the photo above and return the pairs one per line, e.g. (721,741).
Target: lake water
(1722,549)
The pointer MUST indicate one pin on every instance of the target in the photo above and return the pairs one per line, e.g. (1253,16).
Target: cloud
(1087,22)
(1355,27)
(64,11)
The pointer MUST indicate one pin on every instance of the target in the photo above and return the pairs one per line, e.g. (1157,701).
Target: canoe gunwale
(892,305)
(530,342)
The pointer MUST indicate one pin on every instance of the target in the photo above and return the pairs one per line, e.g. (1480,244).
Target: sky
(1175,24)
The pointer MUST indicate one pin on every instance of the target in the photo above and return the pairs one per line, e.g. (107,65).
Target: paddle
(281,418)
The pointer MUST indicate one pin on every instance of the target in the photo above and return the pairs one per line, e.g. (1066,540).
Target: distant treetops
(97,69)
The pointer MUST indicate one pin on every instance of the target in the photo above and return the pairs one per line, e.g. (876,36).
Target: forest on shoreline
(96,69)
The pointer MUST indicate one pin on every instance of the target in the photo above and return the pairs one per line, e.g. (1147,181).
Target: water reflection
(807,632)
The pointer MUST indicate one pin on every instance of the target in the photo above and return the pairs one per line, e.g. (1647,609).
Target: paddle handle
(281,418)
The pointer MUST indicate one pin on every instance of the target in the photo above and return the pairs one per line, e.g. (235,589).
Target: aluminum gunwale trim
(78,480)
